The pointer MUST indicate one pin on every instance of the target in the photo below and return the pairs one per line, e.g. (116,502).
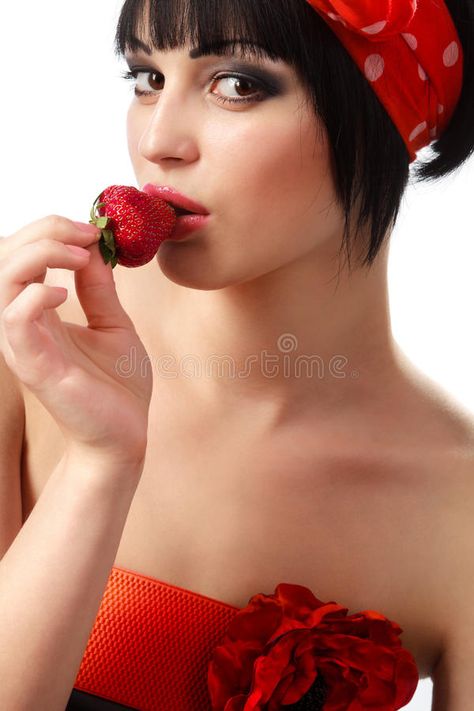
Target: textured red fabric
(151,644)
(411,54)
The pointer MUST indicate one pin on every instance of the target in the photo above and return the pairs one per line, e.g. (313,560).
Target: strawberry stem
(106,241)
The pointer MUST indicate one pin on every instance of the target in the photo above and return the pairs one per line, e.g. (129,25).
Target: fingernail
(84,227)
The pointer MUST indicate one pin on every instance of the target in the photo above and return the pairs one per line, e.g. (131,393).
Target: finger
(29,264)
(97,294)
(29,349)
(55,227)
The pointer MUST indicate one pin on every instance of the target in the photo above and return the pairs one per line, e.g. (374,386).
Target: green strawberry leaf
(108,236)
(106,242)
(105,252)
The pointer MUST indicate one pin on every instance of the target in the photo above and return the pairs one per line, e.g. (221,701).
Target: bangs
(263,28)
(368,157)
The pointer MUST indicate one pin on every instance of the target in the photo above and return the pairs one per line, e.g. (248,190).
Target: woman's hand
(74,370)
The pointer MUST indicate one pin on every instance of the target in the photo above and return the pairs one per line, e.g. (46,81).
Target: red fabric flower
(276,648)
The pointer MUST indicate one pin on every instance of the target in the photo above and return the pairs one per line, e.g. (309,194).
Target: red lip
(174,198)
(187,224)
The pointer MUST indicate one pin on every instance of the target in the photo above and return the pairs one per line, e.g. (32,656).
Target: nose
(170,135)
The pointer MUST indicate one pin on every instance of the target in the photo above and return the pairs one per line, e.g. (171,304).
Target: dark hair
(370,161)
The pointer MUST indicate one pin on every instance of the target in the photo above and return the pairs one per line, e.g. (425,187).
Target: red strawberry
(133,225)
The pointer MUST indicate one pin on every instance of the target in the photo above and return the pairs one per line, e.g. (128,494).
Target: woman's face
(239,136)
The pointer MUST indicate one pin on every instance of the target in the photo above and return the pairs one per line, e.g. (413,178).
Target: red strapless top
(150,647)
(151,644)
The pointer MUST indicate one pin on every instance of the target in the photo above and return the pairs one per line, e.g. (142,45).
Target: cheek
(135,129)
(280,180)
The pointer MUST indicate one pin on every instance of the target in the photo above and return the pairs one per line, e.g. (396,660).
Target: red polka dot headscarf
(410,52)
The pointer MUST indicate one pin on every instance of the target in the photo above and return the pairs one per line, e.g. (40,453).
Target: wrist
(113,470)
(131,456)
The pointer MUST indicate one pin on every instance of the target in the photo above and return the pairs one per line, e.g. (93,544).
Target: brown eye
(146,81)
(242,90)
(155,80)
(239,87)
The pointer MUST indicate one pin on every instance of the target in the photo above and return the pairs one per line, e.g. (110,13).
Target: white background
(63,139)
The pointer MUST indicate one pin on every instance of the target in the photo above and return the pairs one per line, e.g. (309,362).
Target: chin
(188,275)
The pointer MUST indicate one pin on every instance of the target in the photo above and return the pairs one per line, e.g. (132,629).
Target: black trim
(80,701)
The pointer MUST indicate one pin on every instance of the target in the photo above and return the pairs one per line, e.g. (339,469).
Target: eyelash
(133,75)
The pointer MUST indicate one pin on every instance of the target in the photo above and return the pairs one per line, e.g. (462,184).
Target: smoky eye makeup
(256,71)
(262,88)
(252,69)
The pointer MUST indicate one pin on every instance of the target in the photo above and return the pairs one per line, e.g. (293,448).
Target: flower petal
(279,644)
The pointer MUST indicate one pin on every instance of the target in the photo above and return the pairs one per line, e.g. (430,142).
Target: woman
(351,478)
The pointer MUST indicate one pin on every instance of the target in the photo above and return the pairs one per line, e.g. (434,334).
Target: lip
(185,224)
(175,198)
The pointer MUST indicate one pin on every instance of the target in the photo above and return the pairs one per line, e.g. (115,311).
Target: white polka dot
(422,73)
(440,108)
(336,18)
(411,40)
(374,66)
(451,54)
(433,132)
(416,131)
(375,28)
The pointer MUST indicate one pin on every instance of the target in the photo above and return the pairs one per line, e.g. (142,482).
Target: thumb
(97,294)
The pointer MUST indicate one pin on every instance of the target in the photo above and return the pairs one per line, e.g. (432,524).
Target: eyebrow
(220,47)
(135,43)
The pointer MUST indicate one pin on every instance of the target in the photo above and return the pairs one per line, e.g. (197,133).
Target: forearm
(53,576)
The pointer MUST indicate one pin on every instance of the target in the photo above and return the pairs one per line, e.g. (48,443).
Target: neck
(292,337)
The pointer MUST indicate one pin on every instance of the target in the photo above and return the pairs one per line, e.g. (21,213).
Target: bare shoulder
(439,532)
(446,430)
(452,677)
(438,420)
(12,414)
(12,417)
(452,467)
(10,387)
(13,408)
